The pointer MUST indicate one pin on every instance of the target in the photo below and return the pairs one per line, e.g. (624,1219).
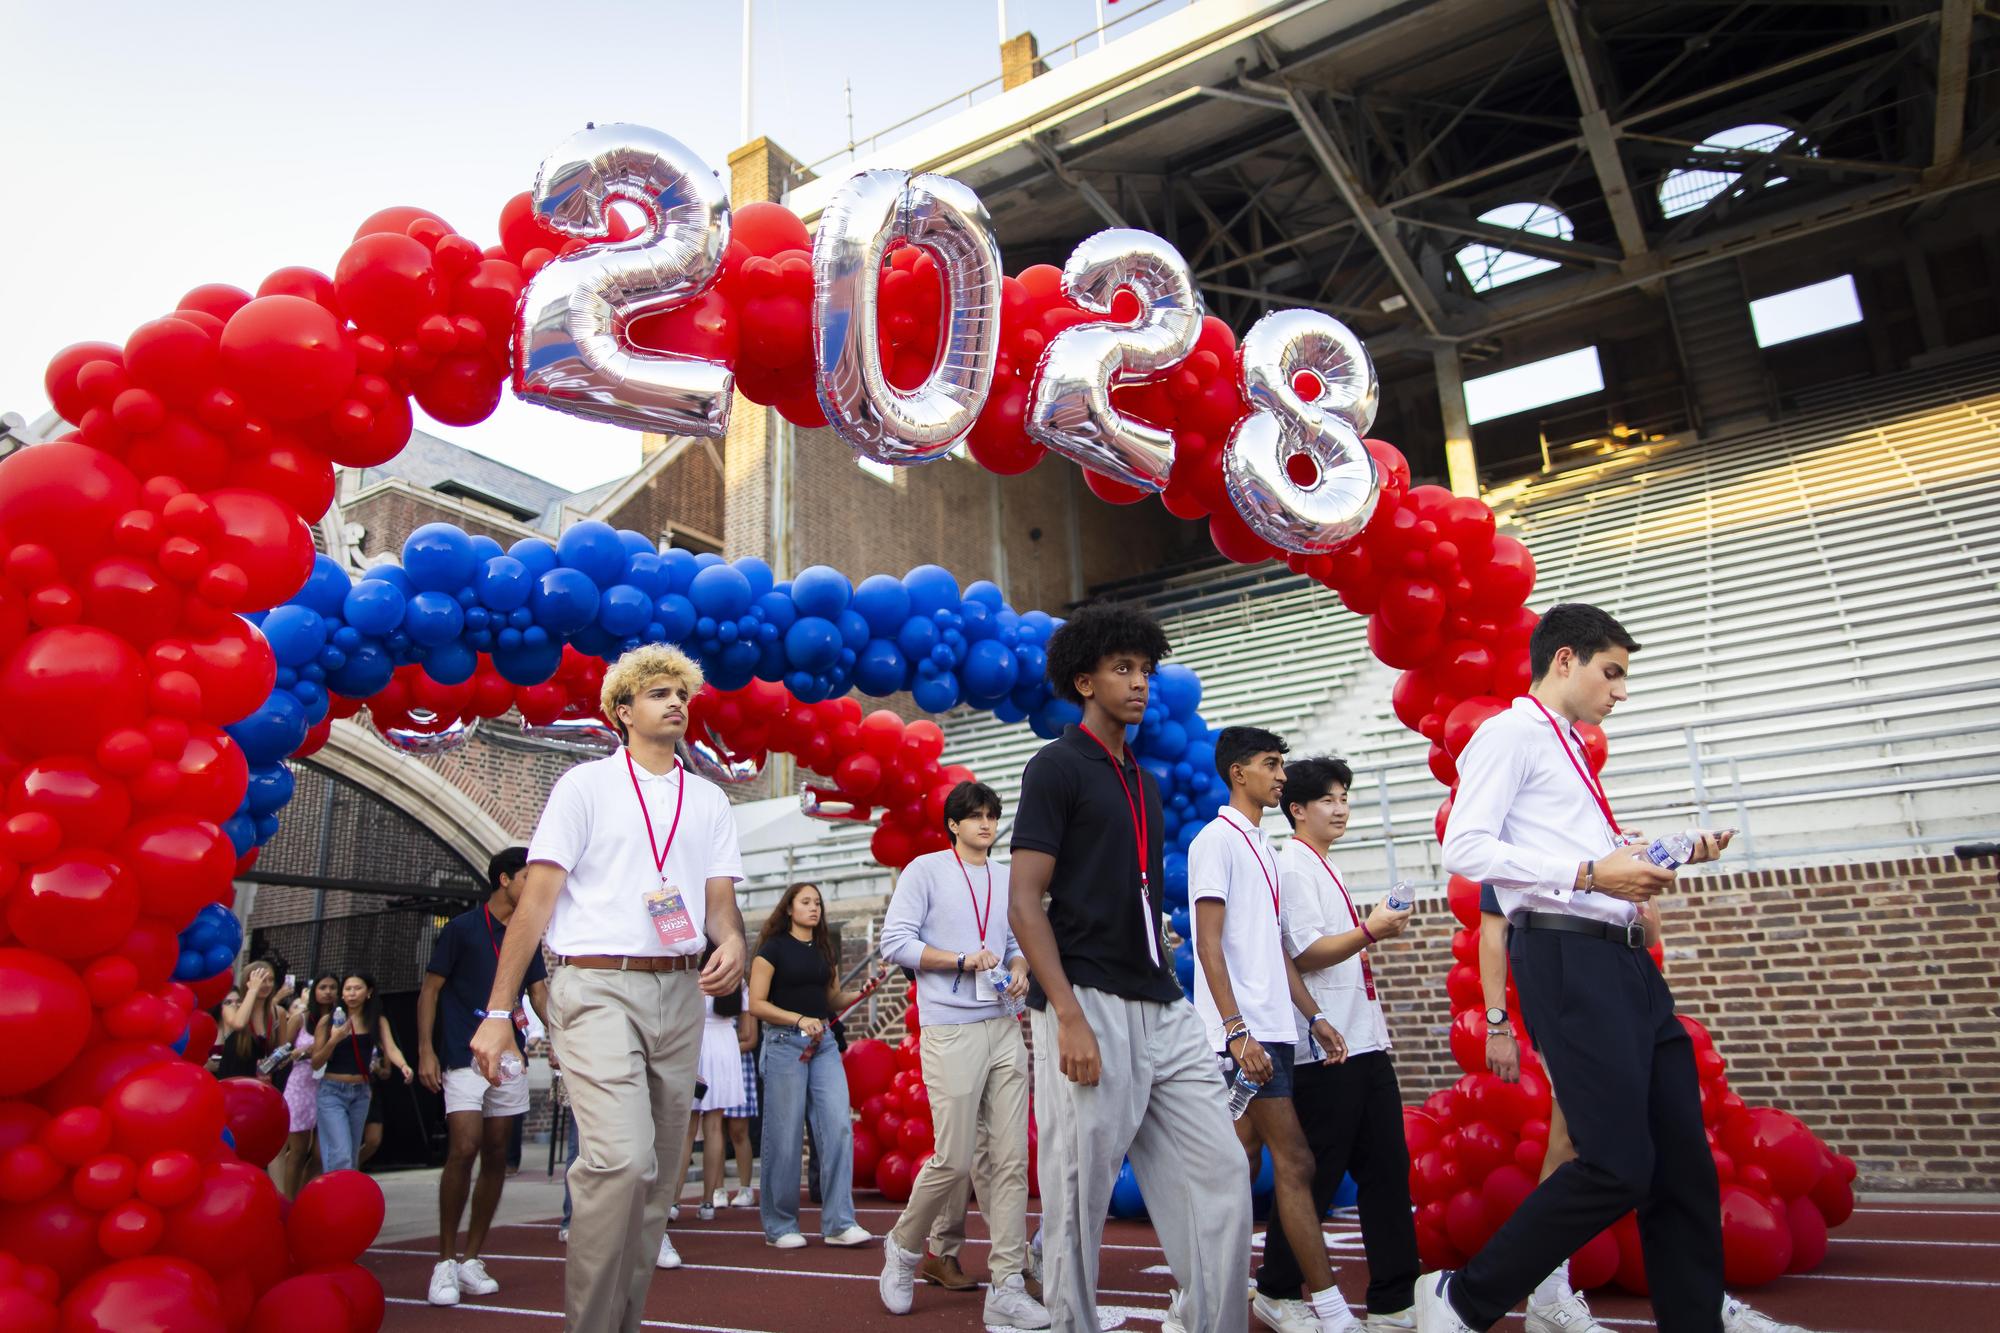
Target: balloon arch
(168,640)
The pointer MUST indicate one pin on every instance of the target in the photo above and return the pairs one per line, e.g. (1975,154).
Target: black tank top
(353,1051)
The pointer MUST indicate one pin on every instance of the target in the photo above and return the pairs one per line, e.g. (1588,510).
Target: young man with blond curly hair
(631,873)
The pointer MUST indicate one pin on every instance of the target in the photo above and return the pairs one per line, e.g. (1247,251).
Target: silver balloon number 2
(1071,409)
(571,353)
(861,223)
(1295,467)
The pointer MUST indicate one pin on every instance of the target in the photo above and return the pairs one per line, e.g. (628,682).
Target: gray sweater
(932,906)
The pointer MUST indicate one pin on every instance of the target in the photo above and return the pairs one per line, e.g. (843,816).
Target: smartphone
(291,980)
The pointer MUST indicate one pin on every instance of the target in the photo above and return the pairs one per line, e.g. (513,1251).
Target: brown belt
(686,962)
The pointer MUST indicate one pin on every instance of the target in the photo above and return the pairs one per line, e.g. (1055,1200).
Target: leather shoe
(1034,1286)
(943,1271)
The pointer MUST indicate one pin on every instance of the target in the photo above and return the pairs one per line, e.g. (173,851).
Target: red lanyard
(680,795)
(1367,972)
(979,917)
(1138,809)
(354,1041)
(1590,784)
(1269,883)
(489,932)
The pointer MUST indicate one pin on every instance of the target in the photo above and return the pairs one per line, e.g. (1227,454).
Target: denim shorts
(1280,1082)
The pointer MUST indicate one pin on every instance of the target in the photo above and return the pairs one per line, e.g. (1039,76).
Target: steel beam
(1954,59)
(1595,122)
(1292,299)
(1083,189)
(1515,238)
(1375,221)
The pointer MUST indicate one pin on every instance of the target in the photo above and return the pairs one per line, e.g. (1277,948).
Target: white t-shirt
(1231,860)
(592,828)
(1317,905)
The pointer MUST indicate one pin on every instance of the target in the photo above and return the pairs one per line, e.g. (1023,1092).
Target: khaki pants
(629,1043)
(977,1077)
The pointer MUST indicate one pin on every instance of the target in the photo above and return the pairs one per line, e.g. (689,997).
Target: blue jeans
(793,1090)
(343,1114)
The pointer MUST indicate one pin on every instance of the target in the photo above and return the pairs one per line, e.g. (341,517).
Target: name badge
(982,989)
(520,1017)
(668,910)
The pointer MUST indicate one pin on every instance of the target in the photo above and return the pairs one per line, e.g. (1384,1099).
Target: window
(1689,188)
(882,472)
(1490,266)
(1505,392)
(1804,311)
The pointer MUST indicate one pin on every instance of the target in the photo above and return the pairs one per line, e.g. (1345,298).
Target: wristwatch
(1496,1018)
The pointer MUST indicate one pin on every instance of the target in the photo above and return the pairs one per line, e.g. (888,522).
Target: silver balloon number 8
(571,352)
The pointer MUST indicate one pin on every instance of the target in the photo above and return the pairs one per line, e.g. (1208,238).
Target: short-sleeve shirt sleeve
(1489,901)
(564,830)
(1208,869)
(725,860)
(537,970)
(444,953)
(1040,814)
(1304,923)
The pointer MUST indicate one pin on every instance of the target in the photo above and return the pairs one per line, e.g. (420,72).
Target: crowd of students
(666,1022)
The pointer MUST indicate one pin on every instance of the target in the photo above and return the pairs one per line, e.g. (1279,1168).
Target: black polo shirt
(1073,808)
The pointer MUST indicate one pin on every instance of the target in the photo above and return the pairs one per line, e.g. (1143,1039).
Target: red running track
(1893,1267)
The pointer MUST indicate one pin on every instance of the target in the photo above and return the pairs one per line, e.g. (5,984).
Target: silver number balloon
(429,738)
(831,806)
(856,230)
(1071,409)
(1327,510)
(709,758)
(575,735)
(570,350)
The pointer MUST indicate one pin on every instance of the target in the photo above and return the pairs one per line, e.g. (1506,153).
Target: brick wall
(390,513)
(686,492)
(1864,999)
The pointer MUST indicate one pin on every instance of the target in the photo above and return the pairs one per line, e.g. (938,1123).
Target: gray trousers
(629,1043)
(1159,1099)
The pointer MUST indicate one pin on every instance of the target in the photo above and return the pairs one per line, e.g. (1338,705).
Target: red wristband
(1369,933)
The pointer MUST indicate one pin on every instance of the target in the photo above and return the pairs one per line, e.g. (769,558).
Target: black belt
(1632,934)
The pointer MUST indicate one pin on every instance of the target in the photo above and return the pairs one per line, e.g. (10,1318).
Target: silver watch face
(1496,1017)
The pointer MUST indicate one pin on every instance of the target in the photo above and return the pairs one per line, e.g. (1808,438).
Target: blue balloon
(389,572)
(593,549)
(592,641)
(1171,741)
(762,580)
(1175,867)
(451,663)
(325,590)
(270,787)
(565,600)
(366,670)
(1345,1195)
(853,630)
(503,583)
(1178,688)
(820,590)
(1178,919)
(536,554)
(884,603)
(986,592)
(676,616)
(879,668)
(721,592)
(776,608)
(1036,626)
(1267,1179)
(373,606)
(187,967)
(680,568)
(1125,1198)
(989,671)
(976,621)
(274,730)
(917,636)
(636,543)
(937,694)
(484,548)
(524,663)
(438,557)
(624,610)
(812,644)
(433,617)
(1184,965)
(295,632)
(932,589)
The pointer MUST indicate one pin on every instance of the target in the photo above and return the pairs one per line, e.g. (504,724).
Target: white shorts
(467,1090)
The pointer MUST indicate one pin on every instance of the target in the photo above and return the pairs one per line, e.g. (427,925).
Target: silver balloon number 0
(571,352)
(871,213)
(1295,467)
(1071,411)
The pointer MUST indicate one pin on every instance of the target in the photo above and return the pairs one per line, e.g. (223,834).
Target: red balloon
(1595,748)
(1779,1144)
(363,1291)
(293,471)
(25,1311)
(1462,895)
(1420,1132)
(169,1179)
(1465,719)
(1482,1149)
(89,1079)
(867,1152)
(77,904)
(166,1106)
(1412,608)
(130,598)
(180,864)
(462,391)
(307,1303)
(1631,1273)
(1834,1198)
(288,357)
(1464,668)
(1502,1192)
(68,686)
(77,1135)
(44,1018)
(147,1295)
(388,284)
(265,539)
(104,1181)
(1468,1041)
(1756,1239)
(1397,650)
(914,1139)
(1596,1263)
(257,1119)
(768,229)
(1465,1221)
(233,1207)
(870,1066)
(1505,581)
(1435,1177)
(894,1175)
(1808,1228)
(91,808)
(64,496)
(173,357)
(56,1231)
(334,1219)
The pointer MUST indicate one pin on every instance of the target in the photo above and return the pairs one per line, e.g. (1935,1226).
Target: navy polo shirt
(467,955)
(1073,807)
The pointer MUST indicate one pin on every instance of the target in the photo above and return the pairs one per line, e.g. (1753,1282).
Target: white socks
(1554,1289)
(1329,1306)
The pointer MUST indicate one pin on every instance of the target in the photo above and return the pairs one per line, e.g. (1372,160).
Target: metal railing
(1627,419)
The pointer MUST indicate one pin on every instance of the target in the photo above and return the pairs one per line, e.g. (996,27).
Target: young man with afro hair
(1121,1062)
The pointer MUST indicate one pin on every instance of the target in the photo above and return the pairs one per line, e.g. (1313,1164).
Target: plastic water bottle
(270,1064)
(1401,895)
(1671,851)
(1240,1093)
(511,1067)
(999,978)
(340,1017)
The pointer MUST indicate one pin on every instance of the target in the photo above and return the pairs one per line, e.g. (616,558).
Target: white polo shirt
(1317,905)
(593,829)
(1525,817)
(1231,860)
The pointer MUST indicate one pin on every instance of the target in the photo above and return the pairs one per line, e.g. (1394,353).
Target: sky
(146,149)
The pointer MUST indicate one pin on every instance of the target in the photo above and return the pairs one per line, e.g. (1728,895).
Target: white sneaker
(1740,1318)
(473,1279)
(1284,1316)
(444,1283)
(1568,1315)
(669,1256)
(791,1240)
(719,1200)
(854,1235)
(743,1198)
(898,1283)
(673,1212)
(1171,1321)
(706,1213)
(562,1235)
(1393,1321)
(1434,1314)
(1009,1305)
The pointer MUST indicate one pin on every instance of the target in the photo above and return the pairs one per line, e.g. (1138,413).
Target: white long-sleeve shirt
(1524,817)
